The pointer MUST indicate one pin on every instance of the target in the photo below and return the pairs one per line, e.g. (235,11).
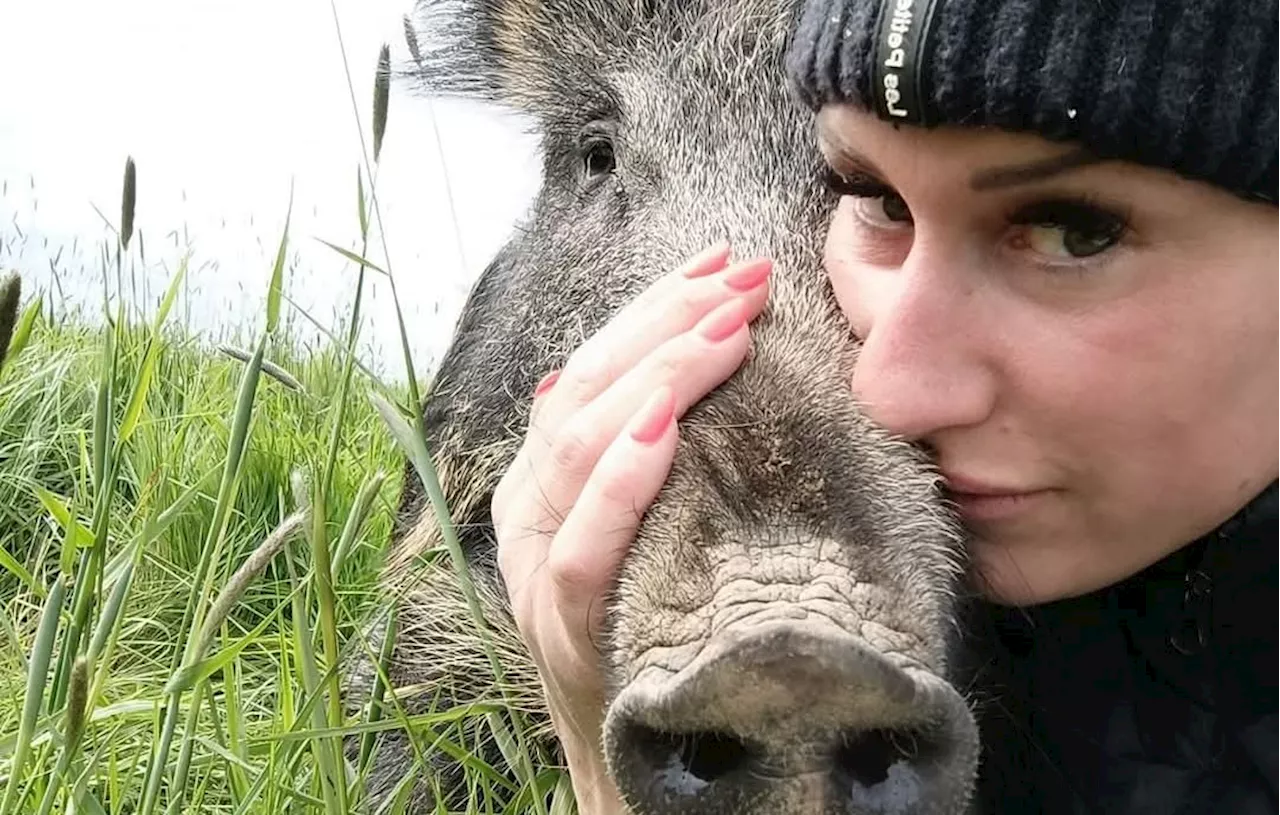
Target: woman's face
(1088,350)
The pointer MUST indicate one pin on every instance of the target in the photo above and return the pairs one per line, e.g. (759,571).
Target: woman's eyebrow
(997,178)
(839,152)
(841,155)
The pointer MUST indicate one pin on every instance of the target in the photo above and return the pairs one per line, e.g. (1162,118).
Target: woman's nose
(923,366)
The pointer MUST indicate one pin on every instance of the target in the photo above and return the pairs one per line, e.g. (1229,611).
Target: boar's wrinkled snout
(792,717)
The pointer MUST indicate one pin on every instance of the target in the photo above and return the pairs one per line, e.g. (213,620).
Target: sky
(222,106)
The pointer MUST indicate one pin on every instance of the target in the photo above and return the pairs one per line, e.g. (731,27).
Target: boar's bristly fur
(790,592)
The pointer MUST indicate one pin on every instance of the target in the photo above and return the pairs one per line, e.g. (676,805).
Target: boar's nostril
(707,756)
(866,757)
(878,768)
(685,762)
(791,717)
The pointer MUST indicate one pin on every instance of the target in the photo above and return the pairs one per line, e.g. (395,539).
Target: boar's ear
(518,53)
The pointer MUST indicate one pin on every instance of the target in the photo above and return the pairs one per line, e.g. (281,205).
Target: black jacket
(1156,695)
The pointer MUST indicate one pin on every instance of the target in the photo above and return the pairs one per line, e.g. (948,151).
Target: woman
(1057,240)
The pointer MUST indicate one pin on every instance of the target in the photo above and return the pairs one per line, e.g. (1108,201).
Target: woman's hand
(601,439)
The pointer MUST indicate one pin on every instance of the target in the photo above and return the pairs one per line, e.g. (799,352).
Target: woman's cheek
(852,278)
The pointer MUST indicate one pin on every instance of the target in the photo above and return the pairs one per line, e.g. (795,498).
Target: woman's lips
(982,501)
(1000,507)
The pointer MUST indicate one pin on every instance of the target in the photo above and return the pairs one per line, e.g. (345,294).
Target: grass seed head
(239,583)
(128,201)
(411,39)
(77,698)
(381,97)
(301,493)
(10,295)
(269,368)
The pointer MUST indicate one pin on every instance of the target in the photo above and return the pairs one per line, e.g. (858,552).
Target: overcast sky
(223,104)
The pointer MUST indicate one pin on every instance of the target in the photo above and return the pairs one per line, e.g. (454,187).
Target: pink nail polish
(724,321)
(747,276)
(546,383)
(708,261)
(652,420)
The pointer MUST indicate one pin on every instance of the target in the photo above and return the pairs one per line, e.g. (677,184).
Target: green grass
(189,546)
(177,451)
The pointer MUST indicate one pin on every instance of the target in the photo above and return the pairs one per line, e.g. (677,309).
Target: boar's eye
(595,149)
(598,159)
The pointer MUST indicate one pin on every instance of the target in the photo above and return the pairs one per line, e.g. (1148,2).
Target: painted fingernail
(724,321)
(708,261)
(545,384)
(651,421)
(746,276)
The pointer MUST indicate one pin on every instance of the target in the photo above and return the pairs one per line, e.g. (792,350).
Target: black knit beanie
(1184,85)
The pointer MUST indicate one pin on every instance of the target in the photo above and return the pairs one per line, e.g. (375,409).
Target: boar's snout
(793,717)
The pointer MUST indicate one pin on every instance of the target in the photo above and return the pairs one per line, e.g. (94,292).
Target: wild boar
(778,640)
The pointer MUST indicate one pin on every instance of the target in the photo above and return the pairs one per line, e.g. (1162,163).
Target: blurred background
(223,106)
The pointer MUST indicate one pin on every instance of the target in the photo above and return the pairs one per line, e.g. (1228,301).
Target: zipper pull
(1192,634)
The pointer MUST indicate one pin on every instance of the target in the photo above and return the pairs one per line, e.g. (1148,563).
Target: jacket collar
(1165,682)
(1205,596)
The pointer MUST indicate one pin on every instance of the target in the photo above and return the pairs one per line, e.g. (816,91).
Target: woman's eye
(1069,230)
(1069,242)
(875,202)
(884,210)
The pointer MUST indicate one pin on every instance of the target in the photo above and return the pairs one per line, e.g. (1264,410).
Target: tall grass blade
(202,587)
(277,271)
(8,562)
(355,520)
(414,444)
(305,658)
(41,650)
(91,560)
(385,654)
(353,257)
(105,632)
(210,553)
(198,669)
(57,507)
(102,413)
(361,210)
(562,800)
(15,642)
(323,574)
(146,370)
